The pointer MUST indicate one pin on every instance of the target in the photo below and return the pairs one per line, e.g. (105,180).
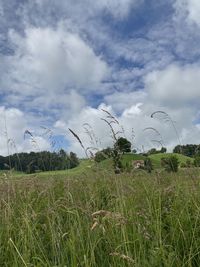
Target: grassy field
(95,218)
(155,158)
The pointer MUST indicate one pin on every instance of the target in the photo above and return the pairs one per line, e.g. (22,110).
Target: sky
(62,62)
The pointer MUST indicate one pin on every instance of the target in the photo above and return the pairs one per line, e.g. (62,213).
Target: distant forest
(189,150)
(39,161)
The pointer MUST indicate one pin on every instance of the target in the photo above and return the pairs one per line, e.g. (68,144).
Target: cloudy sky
(62,62)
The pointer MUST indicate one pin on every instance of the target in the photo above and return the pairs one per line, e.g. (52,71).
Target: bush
(100,156)
(183,165)
(170,164)
(103,154)
(197,161)
(188,163)
(148,165)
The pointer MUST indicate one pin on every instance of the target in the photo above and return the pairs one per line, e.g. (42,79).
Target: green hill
(128,158)
(87,166)
(156,158)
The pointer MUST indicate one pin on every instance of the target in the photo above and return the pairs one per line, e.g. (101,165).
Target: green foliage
(154,151)
(163,150)
(188,150)
(116,156)
(188,163)
(183,165)
(103,154)
(170,164)
(148,166)
(156,158)
(73,160)
(123,145)
(197,161)
(39,161)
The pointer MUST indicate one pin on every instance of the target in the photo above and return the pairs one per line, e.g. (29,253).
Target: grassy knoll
(156,158)
(101,219)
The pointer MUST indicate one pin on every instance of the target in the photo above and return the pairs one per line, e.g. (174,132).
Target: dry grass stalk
(104,214)
(122,256)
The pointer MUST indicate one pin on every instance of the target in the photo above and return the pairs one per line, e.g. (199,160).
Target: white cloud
(173,90)
(51,70)
(175,85)
(191,8)
(120,101)
(55,59)
(14,123)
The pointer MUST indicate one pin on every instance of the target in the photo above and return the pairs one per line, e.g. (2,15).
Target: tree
(148,165)
(170,164)
(74,161)
(123,145)
(39,161)
(188,150)
(163,150)
(103,154)
(152,151)
(197,161)
(117,161)
(99,156)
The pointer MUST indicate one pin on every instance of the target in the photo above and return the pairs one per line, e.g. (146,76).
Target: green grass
(156,158)
(127,158)
(84,167)
(142,220)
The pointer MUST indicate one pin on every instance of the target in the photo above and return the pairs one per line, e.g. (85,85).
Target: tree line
(188,150)
(39,161)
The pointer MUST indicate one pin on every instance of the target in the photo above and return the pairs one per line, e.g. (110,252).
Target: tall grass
(101,219)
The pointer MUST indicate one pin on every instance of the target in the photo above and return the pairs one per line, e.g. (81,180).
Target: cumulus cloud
(175,85)
(50,70)
(51,59)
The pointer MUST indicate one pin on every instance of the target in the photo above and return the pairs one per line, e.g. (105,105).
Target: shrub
(170,164)
(148,165)
(100,156)
(103,154)
(183,165)
(197,161)
(188,163)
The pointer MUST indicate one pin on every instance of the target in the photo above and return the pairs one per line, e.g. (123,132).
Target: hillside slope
(156,158)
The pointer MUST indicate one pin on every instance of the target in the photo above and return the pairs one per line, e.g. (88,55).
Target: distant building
(137,164)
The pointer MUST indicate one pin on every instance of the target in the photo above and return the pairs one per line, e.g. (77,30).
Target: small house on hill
(137,164)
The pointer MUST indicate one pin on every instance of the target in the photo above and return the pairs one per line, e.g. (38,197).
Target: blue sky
(61,62)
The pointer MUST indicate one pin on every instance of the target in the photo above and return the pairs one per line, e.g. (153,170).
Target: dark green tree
(74,161)
(163,150)
(148,165)
(123,145)
(103,154)
(170,164)
(197,161)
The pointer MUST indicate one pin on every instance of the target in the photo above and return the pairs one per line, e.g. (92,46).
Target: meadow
(89,216)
